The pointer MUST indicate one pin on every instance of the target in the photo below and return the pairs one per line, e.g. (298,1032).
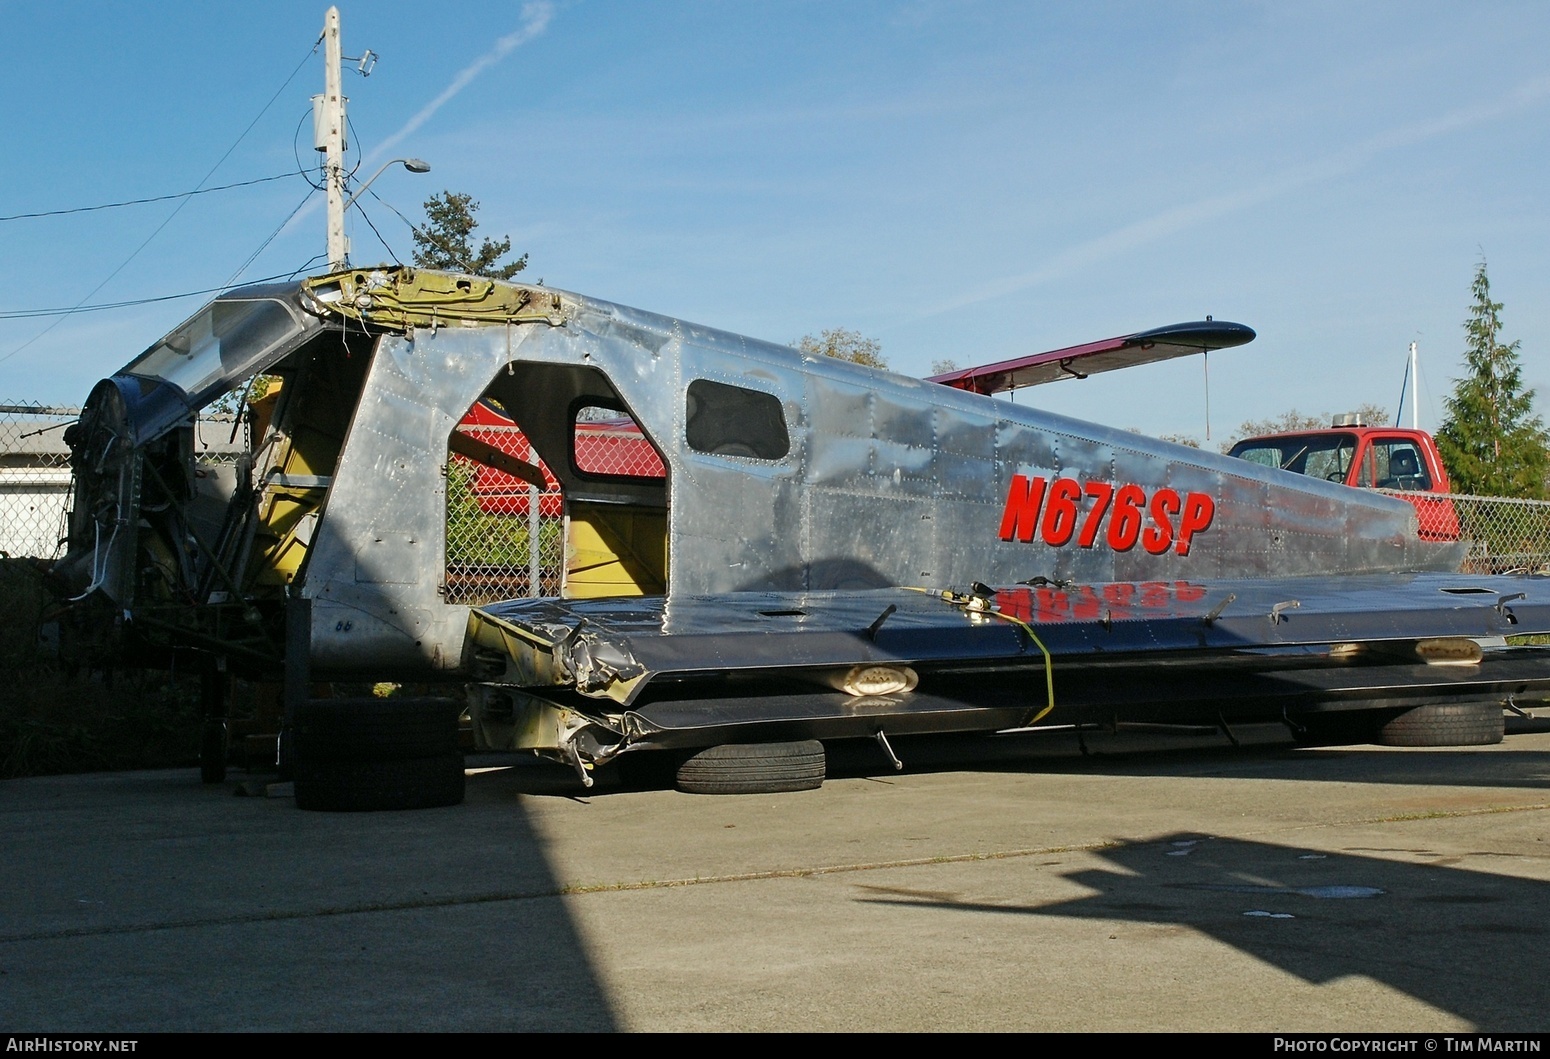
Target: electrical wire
(973,603)
(299,269)
(391,252)
(296,151)
(177,209)
(30,314)
(138,202)
(430,236)
(265,244)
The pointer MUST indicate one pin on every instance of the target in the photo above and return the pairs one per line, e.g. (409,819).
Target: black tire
(1446,724)
(1337,728)
(369,786)
(212,751)
(754,768)
(370,729)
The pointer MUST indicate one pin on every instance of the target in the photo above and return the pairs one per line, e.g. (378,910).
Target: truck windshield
(1326,456)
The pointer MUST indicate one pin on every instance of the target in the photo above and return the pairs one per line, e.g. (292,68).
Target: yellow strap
(1049,663)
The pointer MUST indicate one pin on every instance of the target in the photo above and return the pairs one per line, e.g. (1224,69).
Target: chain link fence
(34,479)
(35,472)
(1504,535)
(505,536)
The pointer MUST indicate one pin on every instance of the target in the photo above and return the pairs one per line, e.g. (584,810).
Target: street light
(414,165)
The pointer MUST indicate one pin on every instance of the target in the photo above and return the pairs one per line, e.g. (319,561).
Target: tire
(754,768)
(212,751)
(1446,724)
(369,786)
(1337,728)
(375,730)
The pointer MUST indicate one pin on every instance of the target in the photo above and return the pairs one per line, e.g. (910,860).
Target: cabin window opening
(723,420)
(607,443)
(505,529)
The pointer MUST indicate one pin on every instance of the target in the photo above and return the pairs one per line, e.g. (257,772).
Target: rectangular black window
(727,420)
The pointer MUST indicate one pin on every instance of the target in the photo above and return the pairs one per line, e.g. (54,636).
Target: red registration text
(1094,514)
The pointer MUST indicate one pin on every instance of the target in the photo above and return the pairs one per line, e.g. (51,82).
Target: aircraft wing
(748,664)
(1078,362)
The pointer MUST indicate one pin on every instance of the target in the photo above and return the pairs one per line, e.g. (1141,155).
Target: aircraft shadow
(1466,942)
(1265,751)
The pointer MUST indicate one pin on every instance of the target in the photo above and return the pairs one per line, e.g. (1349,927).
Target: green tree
(446,241)
(846,345)
(1492,442)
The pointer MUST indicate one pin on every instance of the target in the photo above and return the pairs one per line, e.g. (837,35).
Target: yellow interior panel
(615,550)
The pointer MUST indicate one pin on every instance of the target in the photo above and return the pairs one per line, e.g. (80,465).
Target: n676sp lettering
(1118,516)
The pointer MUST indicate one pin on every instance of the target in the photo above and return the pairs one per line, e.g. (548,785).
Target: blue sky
(957,179)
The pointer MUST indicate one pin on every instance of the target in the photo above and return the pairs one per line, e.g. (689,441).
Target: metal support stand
(1221,722)
(578,764)
(882,741)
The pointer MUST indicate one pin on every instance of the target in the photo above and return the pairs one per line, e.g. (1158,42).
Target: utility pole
(328,136)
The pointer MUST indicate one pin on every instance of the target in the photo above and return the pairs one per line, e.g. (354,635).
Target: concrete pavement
(1009,884)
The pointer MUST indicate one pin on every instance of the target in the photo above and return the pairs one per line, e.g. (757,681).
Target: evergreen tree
(1492,443)
(446,241)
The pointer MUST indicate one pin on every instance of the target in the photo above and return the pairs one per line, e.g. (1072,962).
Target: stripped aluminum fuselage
(889,481)
(873,482)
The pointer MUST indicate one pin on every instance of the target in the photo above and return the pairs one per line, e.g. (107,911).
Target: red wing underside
(1109,354)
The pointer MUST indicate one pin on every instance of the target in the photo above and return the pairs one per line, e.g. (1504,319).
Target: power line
(264,245)
(426,234)
(30,314)
(391,252)
(136,253)
(138,202)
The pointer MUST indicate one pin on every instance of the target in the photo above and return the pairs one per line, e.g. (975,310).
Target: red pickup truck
(1368,458)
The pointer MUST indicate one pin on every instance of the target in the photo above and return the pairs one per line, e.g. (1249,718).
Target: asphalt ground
(1156,883)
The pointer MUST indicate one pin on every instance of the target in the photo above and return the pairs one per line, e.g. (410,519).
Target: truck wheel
(754,768)
(370,729)
(1446,724)
(368,786)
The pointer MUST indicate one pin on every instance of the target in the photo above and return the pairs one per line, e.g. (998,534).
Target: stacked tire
(367,754)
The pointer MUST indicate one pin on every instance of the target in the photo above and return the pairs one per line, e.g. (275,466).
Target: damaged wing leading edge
(655,672)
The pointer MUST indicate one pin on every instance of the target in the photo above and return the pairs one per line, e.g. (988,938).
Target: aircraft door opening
(553,489)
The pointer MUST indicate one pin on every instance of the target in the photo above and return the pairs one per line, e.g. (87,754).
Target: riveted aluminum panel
(888,481)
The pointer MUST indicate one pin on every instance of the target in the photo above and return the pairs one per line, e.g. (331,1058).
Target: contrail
(1171,221)
(535,19)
